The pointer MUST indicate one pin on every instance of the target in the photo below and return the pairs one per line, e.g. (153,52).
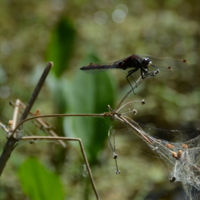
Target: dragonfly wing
(168,64)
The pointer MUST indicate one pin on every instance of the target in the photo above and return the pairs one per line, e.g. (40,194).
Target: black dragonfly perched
(149,66)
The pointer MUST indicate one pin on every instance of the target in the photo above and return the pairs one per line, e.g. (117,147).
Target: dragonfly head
(146,62)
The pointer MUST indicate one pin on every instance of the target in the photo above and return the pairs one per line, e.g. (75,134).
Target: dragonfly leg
(129,75)
(145,73)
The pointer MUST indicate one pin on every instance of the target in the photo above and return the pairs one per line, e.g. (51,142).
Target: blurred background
(73,34)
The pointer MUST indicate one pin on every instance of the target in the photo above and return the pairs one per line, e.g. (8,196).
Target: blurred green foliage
(87,93)
(80,93)
(34,177)
(72,33)
(60,49)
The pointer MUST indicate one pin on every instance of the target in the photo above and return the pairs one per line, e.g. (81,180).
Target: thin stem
(113,148)
(82,150)
(61,115)
(139,132)
(138,82)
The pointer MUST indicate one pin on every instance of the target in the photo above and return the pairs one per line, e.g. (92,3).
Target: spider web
(183,161)
(182,158)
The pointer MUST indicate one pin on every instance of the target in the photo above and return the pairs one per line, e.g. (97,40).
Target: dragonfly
(148,66)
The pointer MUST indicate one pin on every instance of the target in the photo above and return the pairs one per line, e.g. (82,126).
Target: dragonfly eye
(145,62)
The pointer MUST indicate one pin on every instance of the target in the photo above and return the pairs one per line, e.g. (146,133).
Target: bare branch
(36,91)
(13,138)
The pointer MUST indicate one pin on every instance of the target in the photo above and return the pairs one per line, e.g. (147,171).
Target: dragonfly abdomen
(98,67)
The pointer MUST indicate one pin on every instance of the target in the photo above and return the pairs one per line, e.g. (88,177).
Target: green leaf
(39,183)
(61,46)
(89,93)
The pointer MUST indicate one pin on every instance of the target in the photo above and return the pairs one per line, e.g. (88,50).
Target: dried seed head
(118,172)
(174,154)
(170,146)
(134,111)
(185,146)
(172,179)
(179,153)
(143,101)
(114,155)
